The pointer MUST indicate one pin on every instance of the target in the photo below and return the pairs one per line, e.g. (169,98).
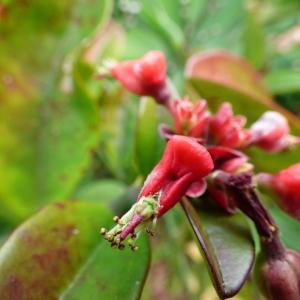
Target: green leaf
(142,39)
(227,247)
(59,254)
(221,76)
(103,190)
(195,9)
(157,18)
(149,145)
(219,24)
(283,81)
(117,133)
(254,41)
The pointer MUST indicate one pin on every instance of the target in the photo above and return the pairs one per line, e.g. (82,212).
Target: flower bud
(145,76)
(284,188)
(184,164)
(271,132)
(279,277)
(286,184)
(227,130)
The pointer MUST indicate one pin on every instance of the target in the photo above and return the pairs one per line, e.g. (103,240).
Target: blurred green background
(66,136)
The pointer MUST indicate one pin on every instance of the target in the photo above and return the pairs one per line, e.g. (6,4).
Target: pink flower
(227,130)
(190,118)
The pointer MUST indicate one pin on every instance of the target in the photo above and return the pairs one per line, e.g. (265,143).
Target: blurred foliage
(64,135)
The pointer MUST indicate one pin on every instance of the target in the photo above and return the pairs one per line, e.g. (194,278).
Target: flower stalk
(141,215)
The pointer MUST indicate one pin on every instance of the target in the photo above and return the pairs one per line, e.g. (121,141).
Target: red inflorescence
(200,144)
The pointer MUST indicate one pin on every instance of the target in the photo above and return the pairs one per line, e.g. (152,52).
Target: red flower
(190,118)
(286,184)
(145,76)
(184,163)
(271,132)
(227,130)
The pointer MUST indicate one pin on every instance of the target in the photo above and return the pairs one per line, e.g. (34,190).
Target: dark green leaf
(59,254)
(227,246)
(110,274)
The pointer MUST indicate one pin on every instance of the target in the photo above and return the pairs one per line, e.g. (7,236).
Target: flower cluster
(204,152)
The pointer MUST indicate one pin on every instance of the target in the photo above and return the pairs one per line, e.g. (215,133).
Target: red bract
(222,199)
(227,159)
(184,163)
(227,130)
(271,132)
(231,161)
(145,76)
(286,184)
(190,118)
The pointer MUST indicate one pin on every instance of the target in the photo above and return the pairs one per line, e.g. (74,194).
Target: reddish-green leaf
(227,247)
(49,123)
(59,254)
(226,70)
